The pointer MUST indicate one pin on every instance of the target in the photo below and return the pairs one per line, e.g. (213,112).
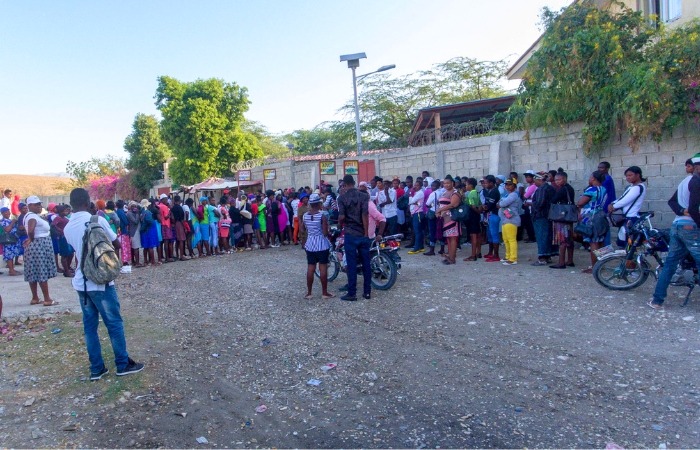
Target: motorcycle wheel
(612,274)
(333,268)
(384,272)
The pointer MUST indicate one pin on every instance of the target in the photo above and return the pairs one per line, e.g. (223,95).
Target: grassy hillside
(26,185)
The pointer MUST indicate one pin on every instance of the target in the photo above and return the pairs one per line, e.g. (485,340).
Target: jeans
(214,234)
(392,225)
(105,304)
(494,230)
(685,238)
(432,231)
(418,220)
(353,244)
(543,234)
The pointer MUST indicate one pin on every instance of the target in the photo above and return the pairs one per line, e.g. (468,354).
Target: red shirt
(164,214)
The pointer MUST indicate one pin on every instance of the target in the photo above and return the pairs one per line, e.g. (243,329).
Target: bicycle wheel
(333,267)
(615,273)
(384,272)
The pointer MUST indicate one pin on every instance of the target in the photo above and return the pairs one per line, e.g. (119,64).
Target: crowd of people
(438,216)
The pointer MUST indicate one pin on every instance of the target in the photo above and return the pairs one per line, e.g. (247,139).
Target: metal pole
(357,115)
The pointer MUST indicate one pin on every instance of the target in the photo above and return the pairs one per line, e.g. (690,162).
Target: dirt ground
(471,355)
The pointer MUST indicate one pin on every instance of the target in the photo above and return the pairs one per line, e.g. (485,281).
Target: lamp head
(353,59)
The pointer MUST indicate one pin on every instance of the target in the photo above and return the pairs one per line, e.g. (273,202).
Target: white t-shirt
(186,210)
(5,202)
(42,227)
(74,232)
(295,207)
(631,201)
(388,211)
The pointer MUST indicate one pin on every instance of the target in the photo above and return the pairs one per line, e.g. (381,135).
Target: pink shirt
(426,195)
(374,218)
(530,190)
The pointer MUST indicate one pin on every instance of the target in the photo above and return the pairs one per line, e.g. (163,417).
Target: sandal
(53,303)
(35,302)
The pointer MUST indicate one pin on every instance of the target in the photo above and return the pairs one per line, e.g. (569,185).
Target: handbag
(619,219)
(585,229)
(7,238)
(460,213)
(563,212)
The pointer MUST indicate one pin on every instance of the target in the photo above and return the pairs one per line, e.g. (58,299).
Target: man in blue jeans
(353,217)
(97,300)
(685,232)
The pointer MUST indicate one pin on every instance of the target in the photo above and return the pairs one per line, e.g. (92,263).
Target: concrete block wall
(538,150)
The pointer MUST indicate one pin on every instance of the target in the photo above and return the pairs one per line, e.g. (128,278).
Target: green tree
(327,137)
(388,106)
(147,152)
(271,145)
(84,171)
(611,69)
(203,123)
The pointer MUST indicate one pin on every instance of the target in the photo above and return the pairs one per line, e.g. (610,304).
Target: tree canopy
(203,124)
(612,69)
(147,152)
(82,172)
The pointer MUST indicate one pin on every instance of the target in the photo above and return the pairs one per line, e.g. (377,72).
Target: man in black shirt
(353,217)
(490,207)
(541,200)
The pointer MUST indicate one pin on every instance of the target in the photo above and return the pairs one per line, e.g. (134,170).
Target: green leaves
(611,69)
(203,123)
(147,152)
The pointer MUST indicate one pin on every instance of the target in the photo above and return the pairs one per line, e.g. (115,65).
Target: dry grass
(26,185)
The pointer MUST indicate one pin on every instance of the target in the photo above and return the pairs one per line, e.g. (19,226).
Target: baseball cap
(511,181)
(364,183)
(501,177)
(696,158)
(32,199)
(529,173)
(162,196)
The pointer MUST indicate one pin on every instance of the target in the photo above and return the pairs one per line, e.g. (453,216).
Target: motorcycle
(627,269)
(385,260)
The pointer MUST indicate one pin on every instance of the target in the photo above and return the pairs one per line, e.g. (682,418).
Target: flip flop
(53,303)
(35,302)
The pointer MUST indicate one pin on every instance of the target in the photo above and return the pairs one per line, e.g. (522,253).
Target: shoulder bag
(460,213)
(567,213)
(619,219)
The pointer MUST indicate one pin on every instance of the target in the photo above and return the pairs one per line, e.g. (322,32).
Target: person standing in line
(451,229)
(123,233)
(527,226)
(473,223)
(386,200)
(376,222)
(539,207)
(631,201)
(591,204)
(315,242)
(295,222)
(133,217)
(490,206)
(10,251)
(685,232)
(97,301)
(353,212)
(609,185)
(415,205)
(432,204)
(204,229)
(39,263)
(563,232)
(509,213)
(6,200)
(178,224)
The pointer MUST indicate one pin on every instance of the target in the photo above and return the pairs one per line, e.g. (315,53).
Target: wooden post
(438,132)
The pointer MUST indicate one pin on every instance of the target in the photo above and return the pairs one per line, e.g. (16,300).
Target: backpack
(402,204)
(99,262)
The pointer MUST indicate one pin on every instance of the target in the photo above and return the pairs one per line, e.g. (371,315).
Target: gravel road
(471,355)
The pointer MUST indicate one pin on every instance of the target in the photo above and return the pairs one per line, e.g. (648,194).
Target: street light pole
(353,63)
(358,132)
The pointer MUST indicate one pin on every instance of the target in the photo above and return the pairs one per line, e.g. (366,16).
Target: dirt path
(477,355)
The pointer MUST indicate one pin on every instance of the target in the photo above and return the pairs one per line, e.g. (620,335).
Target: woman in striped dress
(315,242)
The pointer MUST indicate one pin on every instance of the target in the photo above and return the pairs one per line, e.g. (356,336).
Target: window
(665,10)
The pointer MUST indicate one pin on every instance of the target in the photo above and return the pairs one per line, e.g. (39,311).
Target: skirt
(39,262)
(136,241)
(562,233)
(64,248)
(180,234)
(450,228)
(149,238)
(125,242)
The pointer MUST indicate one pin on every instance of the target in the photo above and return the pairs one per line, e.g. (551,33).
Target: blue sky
(73,74)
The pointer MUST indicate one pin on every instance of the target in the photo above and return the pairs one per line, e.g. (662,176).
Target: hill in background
(26,185)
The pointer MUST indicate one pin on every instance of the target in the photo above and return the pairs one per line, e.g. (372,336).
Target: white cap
(162,196)
(529,172)
(32,199)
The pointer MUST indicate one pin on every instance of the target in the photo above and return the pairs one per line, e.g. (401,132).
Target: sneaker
(510,263)
(654,305)
(132,367)
(416,252)
(349,298)
(98,375)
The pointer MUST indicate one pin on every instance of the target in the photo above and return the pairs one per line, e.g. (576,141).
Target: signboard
(326,167)
(351,167)
(244,175)
(269,174)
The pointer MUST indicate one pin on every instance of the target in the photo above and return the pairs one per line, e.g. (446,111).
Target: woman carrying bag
(563,213)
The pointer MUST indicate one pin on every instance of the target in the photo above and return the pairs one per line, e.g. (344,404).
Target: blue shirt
(609,186)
